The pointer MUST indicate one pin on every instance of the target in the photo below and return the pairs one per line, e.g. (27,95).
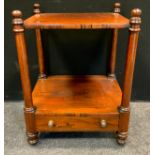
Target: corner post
(40,53)
(124,109)
(29,109)
(114,45)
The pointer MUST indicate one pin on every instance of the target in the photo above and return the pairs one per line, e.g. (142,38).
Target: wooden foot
(121,141)
(121,138)
(33,138)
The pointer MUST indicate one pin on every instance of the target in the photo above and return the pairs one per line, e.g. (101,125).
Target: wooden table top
(76,21)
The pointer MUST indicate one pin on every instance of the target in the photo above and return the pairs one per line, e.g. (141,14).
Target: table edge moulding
(76,21)
(66,103)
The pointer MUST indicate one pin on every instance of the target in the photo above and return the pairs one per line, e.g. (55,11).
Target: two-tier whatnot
(76,103)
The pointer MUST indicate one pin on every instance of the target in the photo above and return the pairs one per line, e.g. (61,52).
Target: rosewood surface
(76,21)
(77,103)
(40,53)
(76,123)
(112,64)
(84,95)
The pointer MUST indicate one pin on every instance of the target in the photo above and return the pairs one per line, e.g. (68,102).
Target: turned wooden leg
(32,134)
(29,109)
(33,138)
(124,109)
(114,46)
(40,53)
(122,134)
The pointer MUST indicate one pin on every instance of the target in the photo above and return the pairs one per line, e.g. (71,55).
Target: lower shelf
(77,103)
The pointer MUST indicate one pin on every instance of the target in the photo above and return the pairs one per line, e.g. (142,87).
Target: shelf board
(76,21)
(77,95)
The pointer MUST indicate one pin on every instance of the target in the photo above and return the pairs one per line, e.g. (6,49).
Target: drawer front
(76,123)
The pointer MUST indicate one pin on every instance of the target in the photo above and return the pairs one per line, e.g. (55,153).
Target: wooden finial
(117,7)
(136,12)
(135,20)
(16,13)
(17,21)
(36,8)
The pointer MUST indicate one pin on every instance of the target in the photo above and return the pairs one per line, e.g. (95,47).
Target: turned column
(114,45)
(124,109)
(40,53)
(29,110)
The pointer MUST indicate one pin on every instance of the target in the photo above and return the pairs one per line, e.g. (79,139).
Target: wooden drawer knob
(50,123)
(103,123)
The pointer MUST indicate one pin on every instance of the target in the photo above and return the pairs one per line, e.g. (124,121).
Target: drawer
(76,123)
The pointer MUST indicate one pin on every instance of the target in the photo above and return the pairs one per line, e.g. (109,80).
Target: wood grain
(134,29)
(113,54)
(73,95)
(76,103)
(24,73)
(112,64)
(76,21)
(40,53)
(74,123)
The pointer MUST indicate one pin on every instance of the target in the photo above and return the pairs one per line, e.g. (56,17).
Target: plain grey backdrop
(77,52)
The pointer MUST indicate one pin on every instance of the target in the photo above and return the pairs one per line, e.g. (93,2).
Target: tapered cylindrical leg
(113,54)
(29,109)
(41,61)
(112,64)
(124,109)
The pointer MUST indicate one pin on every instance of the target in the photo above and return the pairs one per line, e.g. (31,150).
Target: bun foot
(33,138)
(121,141)
(121,138)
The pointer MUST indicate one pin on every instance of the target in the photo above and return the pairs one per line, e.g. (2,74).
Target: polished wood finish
(76,123)
(72,95)
(77,103)
(124,109)
(42,72)
(29,110)
(76,21)
(114,45)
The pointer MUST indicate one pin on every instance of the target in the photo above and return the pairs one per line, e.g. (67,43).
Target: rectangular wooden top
(76,21)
